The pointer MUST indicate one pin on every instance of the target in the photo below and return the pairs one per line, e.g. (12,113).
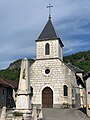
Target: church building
(53,82)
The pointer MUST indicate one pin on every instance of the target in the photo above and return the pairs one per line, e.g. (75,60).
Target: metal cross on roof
(49,7)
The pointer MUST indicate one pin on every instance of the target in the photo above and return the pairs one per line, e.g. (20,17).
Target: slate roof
(49,33)
(80,81)
(86,76)
(74,68)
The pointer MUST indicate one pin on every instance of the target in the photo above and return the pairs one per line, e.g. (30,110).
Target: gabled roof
(74,68)
(49,33)
(9,83)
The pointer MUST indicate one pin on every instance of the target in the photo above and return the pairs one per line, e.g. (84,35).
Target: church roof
(86,76)
(49,33)
(74,68)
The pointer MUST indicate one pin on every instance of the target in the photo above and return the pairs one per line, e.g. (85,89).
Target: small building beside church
(53,82)
(7,92)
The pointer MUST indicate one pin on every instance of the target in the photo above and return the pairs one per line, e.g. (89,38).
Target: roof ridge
(75,68)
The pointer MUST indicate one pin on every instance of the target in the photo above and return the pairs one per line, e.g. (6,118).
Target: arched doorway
(47,98)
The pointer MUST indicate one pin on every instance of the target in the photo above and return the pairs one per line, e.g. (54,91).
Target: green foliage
(9,74)
(13,71)
(17,114)
(81,60)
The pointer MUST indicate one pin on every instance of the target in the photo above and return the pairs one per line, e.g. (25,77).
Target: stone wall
(59,76)
(88,96)
(55,49)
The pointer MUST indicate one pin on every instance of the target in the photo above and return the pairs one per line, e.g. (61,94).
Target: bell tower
(48,44)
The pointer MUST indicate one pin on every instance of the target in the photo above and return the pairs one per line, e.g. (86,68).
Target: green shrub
(17,114)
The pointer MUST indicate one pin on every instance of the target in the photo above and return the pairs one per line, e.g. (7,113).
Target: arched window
(65,90)
(47,49)
(31,88)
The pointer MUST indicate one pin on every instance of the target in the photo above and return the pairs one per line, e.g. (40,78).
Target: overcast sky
(21,22)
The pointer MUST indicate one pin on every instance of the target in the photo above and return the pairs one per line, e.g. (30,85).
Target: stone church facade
(54,83)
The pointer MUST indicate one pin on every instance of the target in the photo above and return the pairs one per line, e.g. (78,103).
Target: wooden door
(47,98)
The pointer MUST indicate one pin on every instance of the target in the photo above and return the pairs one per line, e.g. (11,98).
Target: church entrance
(47,98)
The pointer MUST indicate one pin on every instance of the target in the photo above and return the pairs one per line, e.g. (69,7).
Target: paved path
(63,114)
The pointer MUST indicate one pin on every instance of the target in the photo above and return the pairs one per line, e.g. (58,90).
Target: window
(47,49)
(65,88)
(47,71)
(31,88)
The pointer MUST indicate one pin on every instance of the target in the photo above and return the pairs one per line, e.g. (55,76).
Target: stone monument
(23,103)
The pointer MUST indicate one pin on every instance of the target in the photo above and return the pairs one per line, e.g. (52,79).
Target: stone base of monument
(22,111)
(15,116)
(26,114)
(35,114)
(19,115)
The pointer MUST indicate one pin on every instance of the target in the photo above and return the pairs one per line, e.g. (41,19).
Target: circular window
(47,71)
